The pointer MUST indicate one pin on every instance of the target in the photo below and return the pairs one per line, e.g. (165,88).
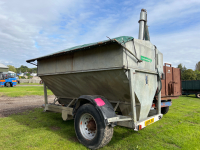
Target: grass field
(179,129)
(23,91)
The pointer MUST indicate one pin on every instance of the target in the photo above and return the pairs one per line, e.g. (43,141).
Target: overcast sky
(30,29)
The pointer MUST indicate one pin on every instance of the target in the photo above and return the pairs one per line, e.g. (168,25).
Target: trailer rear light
(153,105)
(139,127)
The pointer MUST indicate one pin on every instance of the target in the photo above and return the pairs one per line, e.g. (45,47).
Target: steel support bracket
(132,94)
(119,118)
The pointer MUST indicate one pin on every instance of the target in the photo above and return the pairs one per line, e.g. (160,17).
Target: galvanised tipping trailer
(101,85)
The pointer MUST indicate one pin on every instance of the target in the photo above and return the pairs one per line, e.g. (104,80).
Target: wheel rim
(198,95)
(88,126)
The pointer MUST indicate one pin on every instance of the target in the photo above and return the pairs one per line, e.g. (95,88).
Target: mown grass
(179,129)
(23,91)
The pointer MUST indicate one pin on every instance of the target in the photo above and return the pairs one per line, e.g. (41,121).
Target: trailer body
(191,87)
(103,70)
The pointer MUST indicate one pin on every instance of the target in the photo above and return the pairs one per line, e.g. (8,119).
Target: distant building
(3,68)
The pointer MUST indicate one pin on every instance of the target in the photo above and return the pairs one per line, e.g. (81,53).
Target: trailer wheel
(164,110)
(198,95)
(7,84)
(90,129)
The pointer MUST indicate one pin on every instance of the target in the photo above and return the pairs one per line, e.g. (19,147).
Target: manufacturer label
(146,59)
(2,80)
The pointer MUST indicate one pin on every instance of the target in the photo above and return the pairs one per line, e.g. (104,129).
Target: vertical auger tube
(142,21)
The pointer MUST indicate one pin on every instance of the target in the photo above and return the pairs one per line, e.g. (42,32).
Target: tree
(197,72)
(189,75)
(22,69)
(180,66)
(183,69)
(34,70)
(11,68)
(26,69)
(197,66)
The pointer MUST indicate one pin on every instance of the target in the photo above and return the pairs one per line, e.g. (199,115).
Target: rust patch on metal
(91,125)
(100,43)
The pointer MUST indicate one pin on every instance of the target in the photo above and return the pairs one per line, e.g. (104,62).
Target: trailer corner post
(132,94)
(45,95)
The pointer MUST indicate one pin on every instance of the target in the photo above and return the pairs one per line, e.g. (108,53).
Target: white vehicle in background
(21,75)
(33,74)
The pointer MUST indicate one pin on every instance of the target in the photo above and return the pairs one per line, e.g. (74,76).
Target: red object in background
(171,84)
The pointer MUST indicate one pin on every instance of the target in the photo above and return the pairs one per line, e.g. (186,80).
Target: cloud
(180,47)
(30,29)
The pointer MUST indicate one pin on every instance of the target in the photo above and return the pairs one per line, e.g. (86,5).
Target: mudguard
(102,105)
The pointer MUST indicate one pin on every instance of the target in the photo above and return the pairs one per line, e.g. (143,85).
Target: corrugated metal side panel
(112,84)
(190,85)
(177,81)
(193,85)
(197,85)
(168,80)
(103,57)
(184,87)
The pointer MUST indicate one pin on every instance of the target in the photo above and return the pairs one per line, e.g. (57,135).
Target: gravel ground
(13,105)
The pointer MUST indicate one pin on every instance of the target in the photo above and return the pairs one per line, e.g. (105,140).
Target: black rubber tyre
(7,84)
(103,134)
(198,95)
(164,110)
